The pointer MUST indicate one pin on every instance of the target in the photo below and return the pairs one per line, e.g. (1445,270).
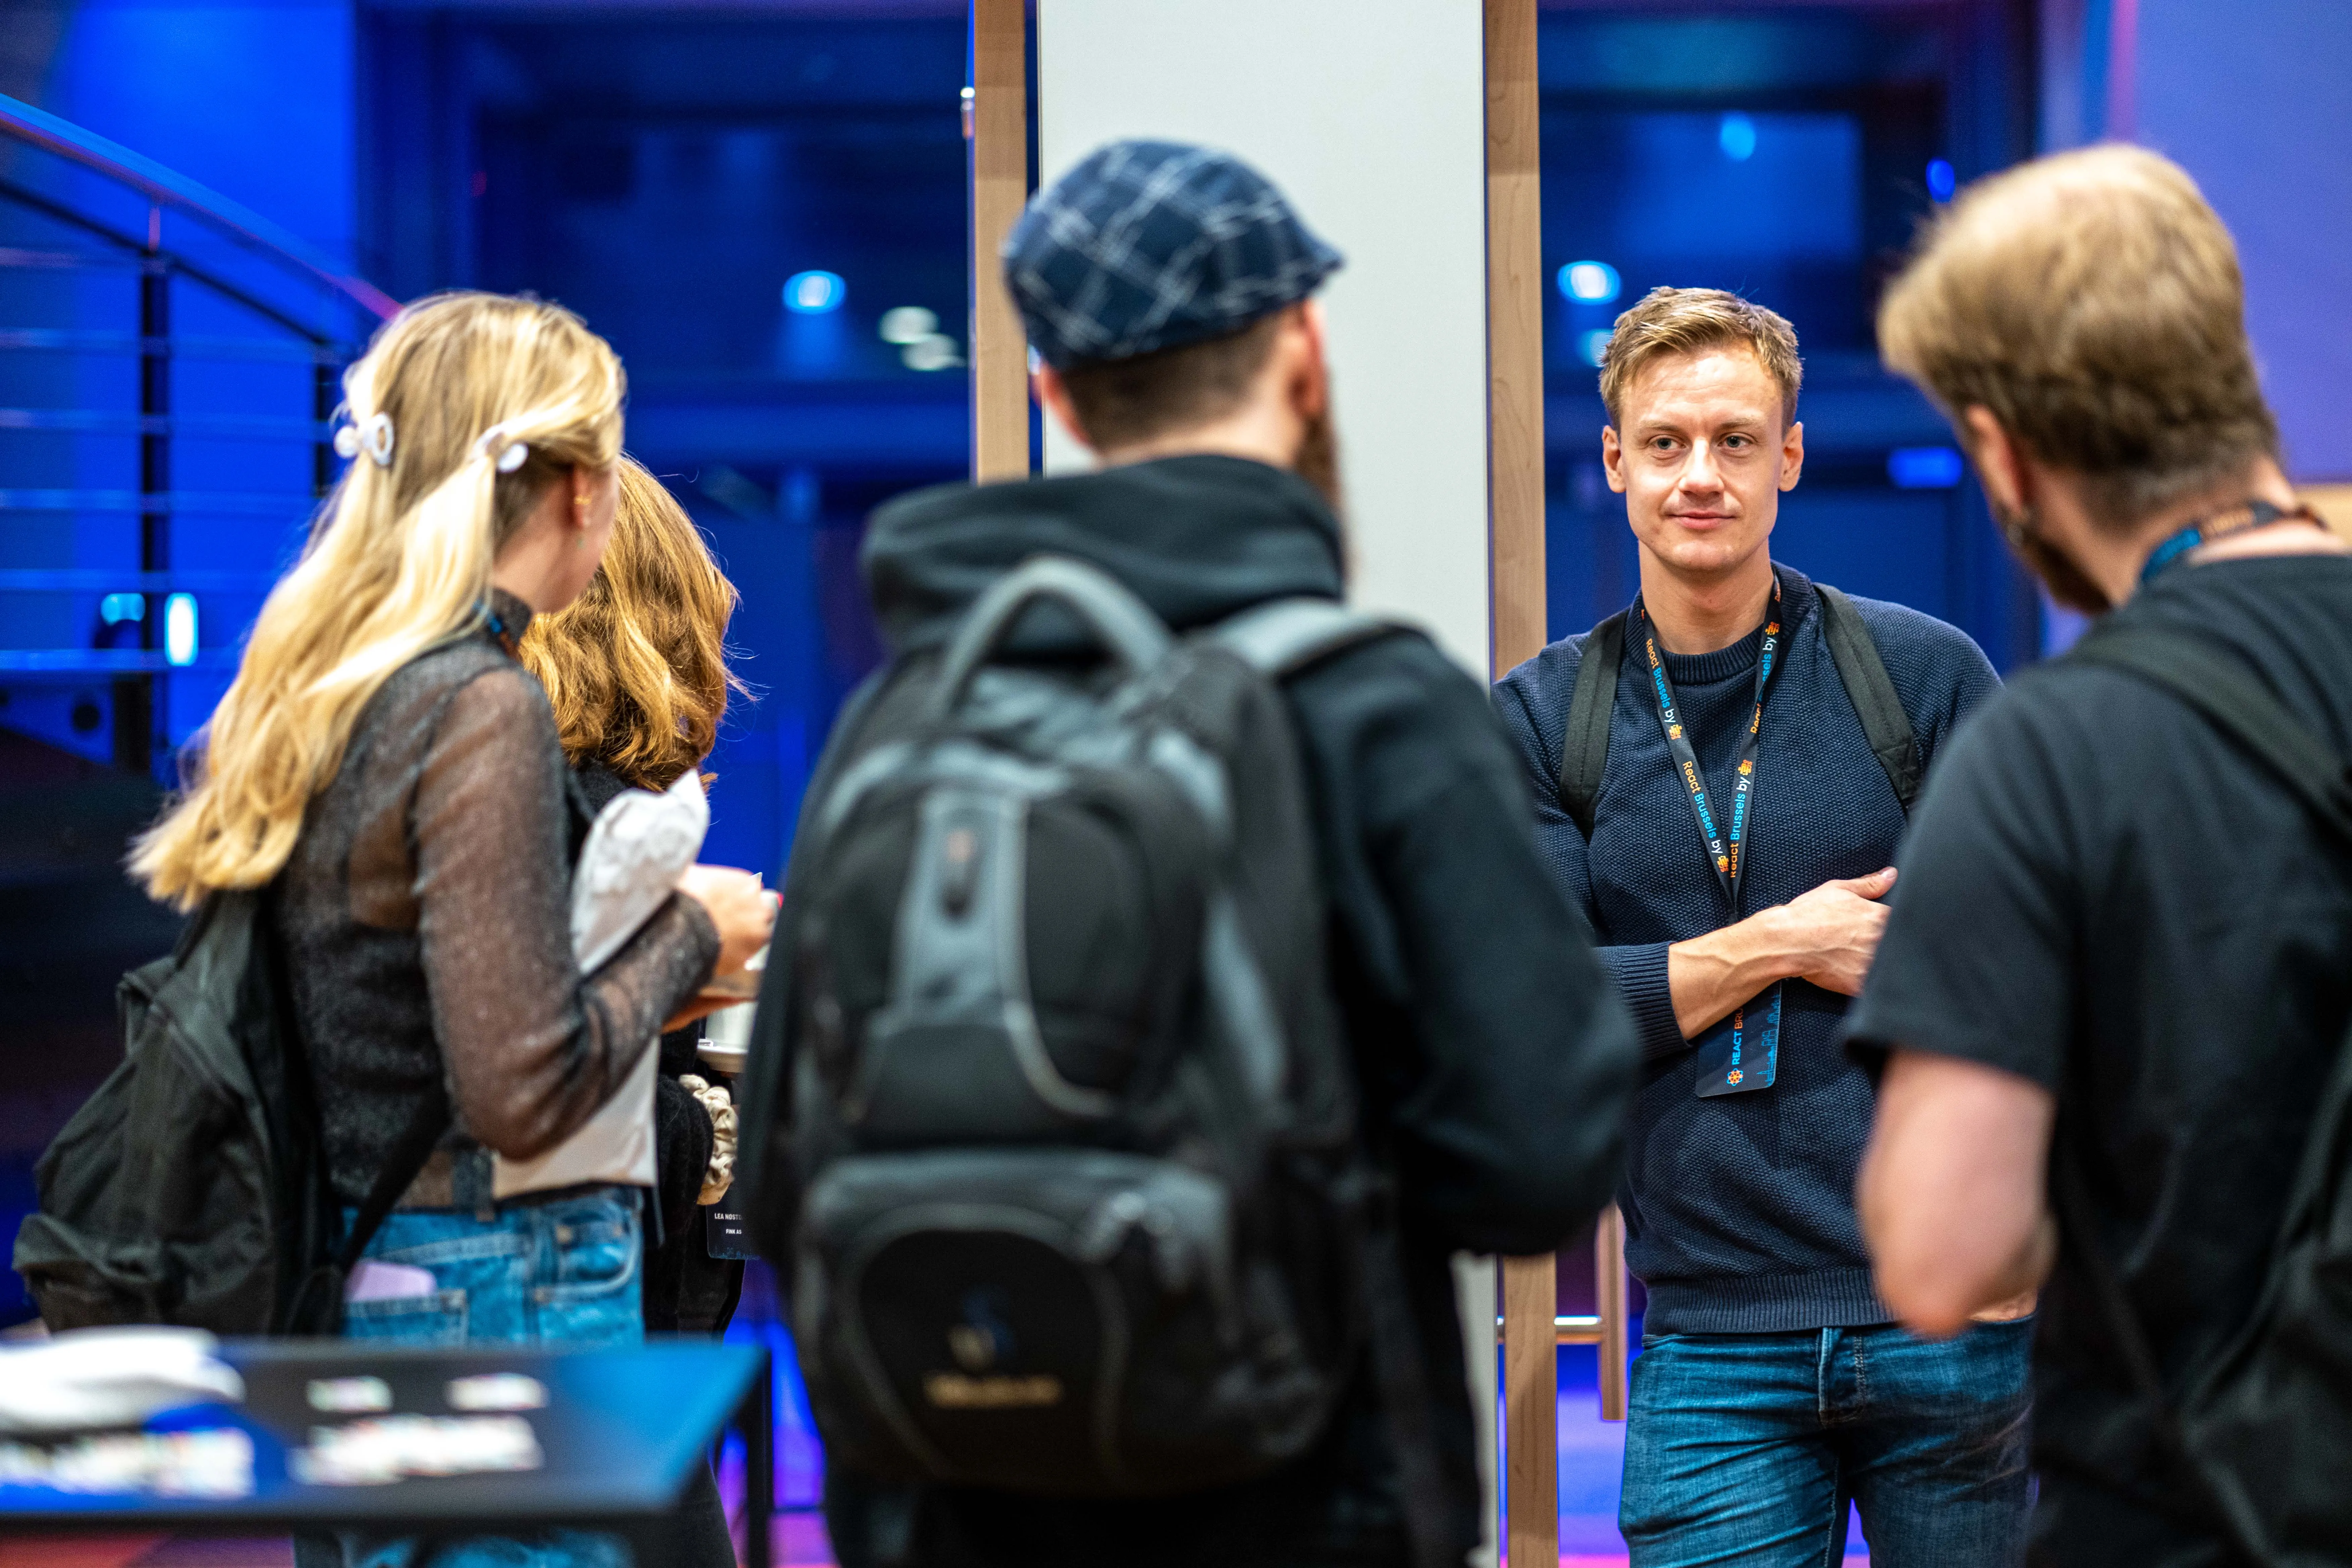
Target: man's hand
(1827,936)
(1831,934)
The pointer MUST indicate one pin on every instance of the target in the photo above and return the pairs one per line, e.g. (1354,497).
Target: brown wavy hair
(636,665)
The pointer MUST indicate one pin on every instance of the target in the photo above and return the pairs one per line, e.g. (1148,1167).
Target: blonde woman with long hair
(388,769)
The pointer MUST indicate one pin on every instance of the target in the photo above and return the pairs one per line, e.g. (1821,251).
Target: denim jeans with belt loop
(564,1269)
(1743,1450)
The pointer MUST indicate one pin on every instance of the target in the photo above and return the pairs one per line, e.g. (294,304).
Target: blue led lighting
(117,609)
(1736,136)
(1593,345)
(180,629)
(1590,282)
(1941,180)
(1923,468)
(814,293)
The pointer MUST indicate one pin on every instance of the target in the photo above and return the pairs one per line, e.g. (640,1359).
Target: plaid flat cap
(1151,244)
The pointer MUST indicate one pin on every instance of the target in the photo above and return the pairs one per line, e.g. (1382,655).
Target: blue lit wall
(2251,97)
(254,100)
(667,177)
(1788,157)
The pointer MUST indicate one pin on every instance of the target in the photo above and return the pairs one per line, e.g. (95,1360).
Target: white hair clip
(507,458)
(372,435)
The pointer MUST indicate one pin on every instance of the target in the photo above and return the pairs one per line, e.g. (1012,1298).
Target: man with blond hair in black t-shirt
(2121,950)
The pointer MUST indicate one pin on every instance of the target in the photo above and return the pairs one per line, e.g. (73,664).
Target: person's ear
(1054,395)
(1612,459)
(1792,455)
(2001,465)
(1312,381)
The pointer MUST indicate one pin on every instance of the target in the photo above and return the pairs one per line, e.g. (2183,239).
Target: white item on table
(496,1391)
(386,1448)
(349,1395)
(216,1462)
(88,1378)
(640,846)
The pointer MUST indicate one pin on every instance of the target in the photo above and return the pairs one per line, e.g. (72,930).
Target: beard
(2059,576)
(1318,459)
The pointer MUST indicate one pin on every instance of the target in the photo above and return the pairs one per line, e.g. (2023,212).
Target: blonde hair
(399,562)
(2091,302)
(1668,323)
(636,665)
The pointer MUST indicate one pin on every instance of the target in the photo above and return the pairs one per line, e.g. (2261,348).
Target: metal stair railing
(154,596)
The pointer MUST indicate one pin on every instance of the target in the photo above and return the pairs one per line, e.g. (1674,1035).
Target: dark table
(621,1431)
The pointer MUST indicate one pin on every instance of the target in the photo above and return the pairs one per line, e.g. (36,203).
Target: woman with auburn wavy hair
(388,770)
(635,669)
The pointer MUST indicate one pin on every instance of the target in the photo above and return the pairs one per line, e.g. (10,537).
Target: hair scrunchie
(372,435)
(501,449)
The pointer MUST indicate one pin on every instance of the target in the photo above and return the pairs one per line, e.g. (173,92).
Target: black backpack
(191,1189)
(1584,745)
(1071,1188)
(2262,1431)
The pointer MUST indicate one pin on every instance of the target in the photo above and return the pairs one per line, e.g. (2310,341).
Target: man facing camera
(1722,773)
(2122,967)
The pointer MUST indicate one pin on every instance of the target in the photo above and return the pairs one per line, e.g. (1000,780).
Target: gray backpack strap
(1584,744)
(1284,636)
(1883,723)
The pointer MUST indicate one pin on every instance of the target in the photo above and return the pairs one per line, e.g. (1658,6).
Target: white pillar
(1368,115)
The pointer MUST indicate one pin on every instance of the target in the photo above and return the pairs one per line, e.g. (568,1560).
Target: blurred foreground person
(1123,1234)
(1735,698)
(2116,980)
(386,763)
(636,669)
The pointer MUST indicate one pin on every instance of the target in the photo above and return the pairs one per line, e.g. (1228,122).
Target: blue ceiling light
(180,629)
(1590,282)
(1924,468)
(116,608)
(1941,180)
(1736,136)
(1593,345)
(814,293)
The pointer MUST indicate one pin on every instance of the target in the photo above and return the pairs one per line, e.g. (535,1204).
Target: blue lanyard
(1727,1065)
(1725,846)
(2204,531)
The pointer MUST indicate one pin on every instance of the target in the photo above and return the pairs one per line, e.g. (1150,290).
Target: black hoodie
(1495,1058)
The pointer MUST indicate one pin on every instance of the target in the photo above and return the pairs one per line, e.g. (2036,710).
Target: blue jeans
(1745,1448)
(563,1271)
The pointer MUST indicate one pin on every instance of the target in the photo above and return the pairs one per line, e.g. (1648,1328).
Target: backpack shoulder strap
(1863,674)
(2217,684)
(1287,637)
(1584,744)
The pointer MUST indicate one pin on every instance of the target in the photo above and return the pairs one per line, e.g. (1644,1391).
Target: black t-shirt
(2104,894)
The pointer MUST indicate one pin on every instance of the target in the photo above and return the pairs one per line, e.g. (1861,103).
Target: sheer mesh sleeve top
(426,915)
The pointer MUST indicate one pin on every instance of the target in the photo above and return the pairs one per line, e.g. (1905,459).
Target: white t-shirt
(639,847)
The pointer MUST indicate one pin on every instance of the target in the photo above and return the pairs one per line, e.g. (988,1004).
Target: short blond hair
(636,665)
(2091,302)
(1668,324)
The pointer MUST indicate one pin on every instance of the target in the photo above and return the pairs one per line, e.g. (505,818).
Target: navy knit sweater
(1739,1212)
